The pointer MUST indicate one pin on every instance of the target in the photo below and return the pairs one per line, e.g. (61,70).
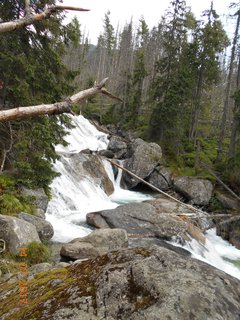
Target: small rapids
(74,197)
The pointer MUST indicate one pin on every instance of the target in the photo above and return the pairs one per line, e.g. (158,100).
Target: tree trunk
(231,151)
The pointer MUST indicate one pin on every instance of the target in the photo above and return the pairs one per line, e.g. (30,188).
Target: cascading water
(73,196)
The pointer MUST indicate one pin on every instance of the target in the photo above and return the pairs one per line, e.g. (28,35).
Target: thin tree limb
(55,108)
(157,189)
(31,19)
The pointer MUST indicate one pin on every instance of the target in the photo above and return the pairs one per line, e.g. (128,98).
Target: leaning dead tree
(55,108)
(30,18)
(58,107)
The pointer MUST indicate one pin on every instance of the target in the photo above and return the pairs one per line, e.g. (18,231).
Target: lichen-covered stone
(134,284)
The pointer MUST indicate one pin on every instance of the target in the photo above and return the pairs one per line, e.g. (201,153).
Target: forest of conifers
(179,82)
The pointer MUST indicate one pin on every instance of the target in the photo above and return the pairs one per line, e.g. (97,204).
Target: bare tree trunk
(231,151)
(56,108)
(31,19)
(227,92)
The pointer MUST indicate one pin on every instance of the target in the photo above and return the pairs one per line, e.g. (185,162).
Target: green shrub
(37,253)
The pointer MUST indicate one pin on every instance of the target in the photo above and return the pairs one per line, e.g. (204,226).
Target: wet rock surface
(138,283)
(230,230)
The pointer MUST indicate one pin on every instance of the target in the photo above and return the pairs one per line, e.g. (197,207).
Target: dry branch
(55,108)
(31,19)
(157,189)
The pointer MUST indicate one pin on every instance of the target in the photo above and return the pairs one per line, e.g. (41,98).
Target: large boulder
(144,158)
(97,243)
(230,230)
(140,219)
(117,146)
(161,178)
(44,228)
(135,284)
(197,191)
(90,165)
(16,232)
(38,197)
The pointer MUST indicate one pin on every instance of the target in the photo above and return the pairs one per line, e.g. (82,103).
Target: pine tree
(168,92)
(33,72)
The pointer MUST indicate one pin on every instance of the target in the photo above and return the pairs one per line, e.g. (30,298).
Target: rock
(142,219)
(134,284)
(197,191)
(40,199)
(116,144)
(16,232)
(44,228)
(145,157)
(40,267)
(106,153)
(97,221)
(230,230)
(90,165)
(161,178)
(40,213)
(96,243)
(228,202)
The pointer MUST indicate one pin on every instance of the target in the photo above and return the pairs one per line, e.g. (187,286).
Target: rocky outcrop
(16,232)
(161,178)
(134,284)
(37,196)
(95,244)
(230,230)
(44,228)
(90,165)
(140,219)
(197,191)
(144,158)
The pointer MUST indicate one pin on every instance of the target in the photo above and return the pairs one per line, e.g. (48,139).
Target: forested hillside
(179,82)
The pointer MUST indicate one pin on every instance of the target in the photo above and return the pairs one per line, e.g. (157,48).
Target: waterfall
(73,196)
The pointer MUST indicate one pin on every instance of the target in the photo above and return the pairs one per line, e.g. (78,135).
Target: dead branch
(157,189)
(55,108)
(31,19)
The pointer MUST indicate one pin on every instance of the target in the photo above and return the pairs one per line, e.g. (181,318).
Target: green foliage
(33,72)
(214,204)
(37,253)
(11,202)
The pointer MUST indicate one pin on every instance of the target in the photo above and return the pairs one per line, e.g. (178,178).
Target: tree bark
(31,19)
(56,108)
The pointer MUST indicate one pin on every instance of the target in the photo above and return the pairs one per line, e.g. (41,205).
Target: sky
(123,10)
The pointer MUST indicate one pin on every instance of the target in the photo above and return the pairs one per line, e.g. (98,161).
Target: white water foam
(216,252)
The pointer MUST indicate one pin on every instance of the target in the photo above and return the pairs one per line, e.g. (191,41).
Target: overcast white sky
(123,10)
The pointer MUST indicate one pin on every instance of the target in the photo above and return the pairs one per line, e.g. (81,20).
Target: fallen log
(55,108)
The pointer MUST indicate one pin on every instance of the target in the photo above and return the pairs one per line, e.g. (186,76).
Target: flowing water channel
(74,197)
